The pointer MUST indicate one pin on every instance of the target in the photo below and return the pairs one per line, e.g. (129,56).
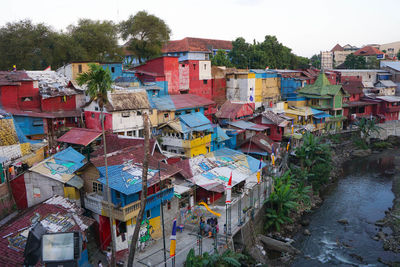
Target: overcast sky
(306,26)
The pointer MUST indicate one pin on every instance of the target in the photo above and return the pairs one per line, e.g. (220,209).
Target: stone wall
(388,128)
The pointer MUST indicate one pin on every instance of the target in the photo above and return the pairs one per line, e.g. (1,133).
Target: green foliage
(315,161)
(228,258)
(382,145)
(98,82)
(145,34)
(355,62)
(315,61)
(36,46)
(269,53)
(335,138)
(366,127)
(221,59)
(98,40)
(398,55)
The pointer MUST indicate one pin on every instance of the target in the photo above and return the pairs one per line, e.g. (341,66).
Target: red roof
(116,143)
(337,47)
(262,141)
(80,136)
(231,110)
(49,115)
(196,45)
(368,51)
(353,87)
(189,101)
(13,77)
(12,243)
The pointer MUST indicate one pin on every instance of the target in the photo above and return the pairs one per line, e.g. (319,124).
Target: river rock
(362,152)
(305,222)
(380,223)
(343,221)
(306,232)
(381,235)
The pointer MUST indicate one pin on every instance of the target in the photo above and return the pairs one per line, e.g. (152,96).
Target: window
(97,187)
(177,113)
(112,69)
(27,99)
(205,66)
(148,214)
(197,109)
(117,194)
(139,113)
(96,108)
(194,66)
(183,65)
(37,123)
(205,81)
(36,192)
(169,205)
(79,68)
(314,102)
(166,115)
(141,133)
(361,110)
(92,115)
(125,114)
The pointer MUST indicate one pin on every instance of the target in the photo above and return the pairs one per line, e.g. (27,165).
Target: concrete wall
(205,70)
(389,128)
(48,188)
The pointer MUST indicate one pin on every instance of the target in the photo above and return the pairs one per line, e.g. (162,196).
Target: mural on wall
(145,232)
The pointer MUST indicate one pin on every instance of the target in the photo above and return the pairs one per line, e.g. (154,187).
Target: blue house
(115,69)
(125,181)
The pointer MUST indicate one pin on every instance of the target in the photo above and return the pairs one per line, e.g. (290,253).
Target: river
(361,196)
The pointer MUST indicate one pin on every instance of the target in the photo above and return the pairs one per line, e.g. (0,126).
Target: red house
(275,123)
(389,107)
(231,111)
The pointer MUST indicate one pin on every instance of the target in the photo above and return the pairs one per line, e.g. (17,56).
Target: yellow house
(309,118)
(188,136)
(267,87)
(73,69)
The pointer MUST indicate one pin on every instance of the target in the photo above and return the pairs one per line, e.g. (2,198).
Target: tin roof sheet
(246,125)
(80,136)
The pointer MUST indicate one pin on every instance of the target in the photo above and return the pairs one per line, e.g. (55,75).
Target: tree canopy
(145,34)
(268,53)
(355,62)
(221,59)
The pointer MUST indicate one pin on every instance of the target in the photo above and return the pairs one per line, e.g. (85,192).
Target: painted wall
(17,96)
(92,120)
(205,70)
(48,188)
(19,192)
(218,90)
(114,68)
(30,125)
(121,123)
(59,103)
(184,76)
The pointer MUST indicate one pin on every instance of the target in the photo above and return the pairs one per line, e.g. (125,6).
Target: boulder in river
(362,152)
(306,232)
(343,221)
(305,222)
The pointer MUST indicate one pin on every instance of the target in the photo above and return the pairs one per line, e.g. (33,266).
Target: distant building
(340,53)
(369,52)
(390,49)
(326,60)
(393,67)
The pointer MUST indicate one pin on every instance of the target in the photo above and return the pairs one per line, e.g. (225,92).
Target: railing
(96,204)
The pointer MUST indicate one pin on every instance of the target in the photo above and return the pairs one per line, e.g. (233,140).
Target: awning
(76,182)
(80,136)
(321,116)
(181,189)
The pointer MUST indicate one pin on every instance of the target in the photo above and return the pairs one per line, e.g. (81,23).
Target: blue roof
(163,103)
(321,116)
(196,121)
(221,135)
(71,157)
(127,180)
(316,111)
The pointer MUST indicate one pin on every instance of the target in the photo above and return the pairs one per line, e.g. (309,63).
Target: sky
(305,26)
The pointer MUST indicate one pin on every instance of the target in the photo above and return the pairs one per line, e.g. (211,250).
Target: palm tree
(366,128)
(98,82)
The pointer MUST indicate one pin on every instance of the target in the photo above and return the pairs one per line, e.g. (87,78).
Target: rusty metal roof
(13,77)
(80,136)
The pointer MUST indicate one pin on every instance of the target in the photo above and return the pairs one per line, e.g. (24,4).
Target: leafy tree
(372,63)
(240,53)
(315,61)
(282,201)
(366,127)
(98,82)
(355,62)
(145,34)
(398,55)
(98,40)
(226,259)
(221,59)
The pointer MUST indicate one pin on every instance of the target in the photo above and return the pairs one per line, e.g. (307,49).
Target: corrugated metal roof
(61,166)
(391,64)
(246,125)
(177,102)
(231,110)
(387,83)
(80,136)
(196,121)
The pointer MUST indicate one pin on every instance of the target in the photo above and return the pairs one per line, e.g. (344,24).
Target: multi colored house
(187,136)
(125,180)
(277,125)
(267,88)
(195,48)
(324,96)
(241,87)
(54,176)
(211,172)
(171,106)
(233,111)
(123,113)
(309,119)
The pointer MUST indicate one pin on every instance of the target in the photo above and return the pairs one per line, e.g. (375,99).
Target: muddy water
(360,197)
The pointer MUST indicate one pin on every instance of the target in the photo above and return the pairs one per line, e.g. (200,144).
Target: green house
(325,96)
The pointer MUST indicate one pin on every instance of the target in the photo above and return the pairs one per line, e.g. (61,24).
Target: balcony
(95,203)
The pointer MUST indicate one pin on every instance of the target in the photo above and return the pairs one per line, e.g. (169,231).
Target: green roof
(322,87)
